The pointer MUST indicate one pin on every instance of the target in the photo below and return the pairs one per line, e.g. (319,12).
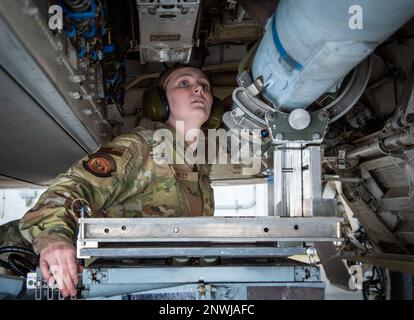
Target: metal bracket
(282,132)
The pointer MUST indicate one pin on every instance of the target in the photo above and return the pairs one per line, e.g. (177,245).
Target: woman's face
(189,96)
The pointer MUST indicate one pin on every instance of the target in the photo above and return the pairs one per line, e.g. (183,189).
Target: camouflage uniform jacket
(138,185)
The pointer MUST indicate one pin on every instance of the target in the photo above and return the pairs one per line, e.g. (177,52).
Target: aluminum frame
(211,229)
(199,236)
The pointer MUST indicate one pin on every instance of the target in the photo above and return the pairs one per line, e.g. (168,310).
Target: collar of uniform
(186,144)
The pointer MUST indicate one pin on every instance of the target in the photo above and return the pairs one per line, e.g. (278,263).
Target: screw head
(76,78)
(279,136)
(75,95)
(176,230)
(323,116)
(30,10)
(271,116)
(59,45)
(311,251)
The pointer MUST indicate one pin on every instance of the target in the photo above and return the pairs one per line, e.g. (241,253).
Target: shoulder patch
(100,164)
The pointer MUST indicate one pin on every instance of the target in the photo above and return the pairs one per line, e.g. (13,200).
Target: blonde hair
(165,76)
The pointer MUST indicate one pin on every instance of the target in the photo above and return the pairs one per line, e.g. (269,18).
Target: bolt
(87,112)
(316,136)
(271,116)
(323,116)
(76,79)
(75,95)
(258,153)
(82,65)
(29,10)
(311,251)
(176,230)
(59,46)
(279,136)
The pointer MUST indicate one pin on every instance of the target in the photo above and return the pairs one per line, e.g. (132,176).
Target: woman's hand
(58,263)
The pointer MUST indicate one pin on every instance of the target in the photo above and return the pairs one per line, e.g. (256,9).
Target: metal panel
(166,29)
(46,127)
(116,281)
(161,252)
(298,191)
(35,57)
(288,292)
(233,291)
(335,269)
(209,229)
(33,147)
(288,172)
(10,286)
(176,275)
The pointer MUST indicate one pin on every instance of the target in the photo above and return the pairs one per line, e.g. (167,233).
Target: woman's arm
(115,171)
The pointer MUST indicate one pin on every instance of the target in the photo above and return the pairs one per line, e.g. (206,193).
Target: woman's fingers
(44,267)
(68,285)
(58,262)
(73,269)
(56,274)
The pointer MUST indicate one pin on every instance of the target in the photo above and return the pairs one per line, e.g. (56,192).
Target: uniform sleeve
(114,172)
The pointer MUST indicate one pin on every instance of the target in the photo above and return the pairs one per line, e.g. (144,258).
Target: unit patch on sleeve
(100,164)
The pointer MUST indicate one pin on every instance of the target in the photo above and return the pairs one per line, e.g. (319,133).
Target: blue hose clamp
(289,59)
(91,33)
(72,32)
(79,15)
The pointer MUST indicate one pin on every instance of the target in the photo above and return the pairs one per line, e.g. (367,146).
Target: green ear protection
(156,105)
(155,100)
